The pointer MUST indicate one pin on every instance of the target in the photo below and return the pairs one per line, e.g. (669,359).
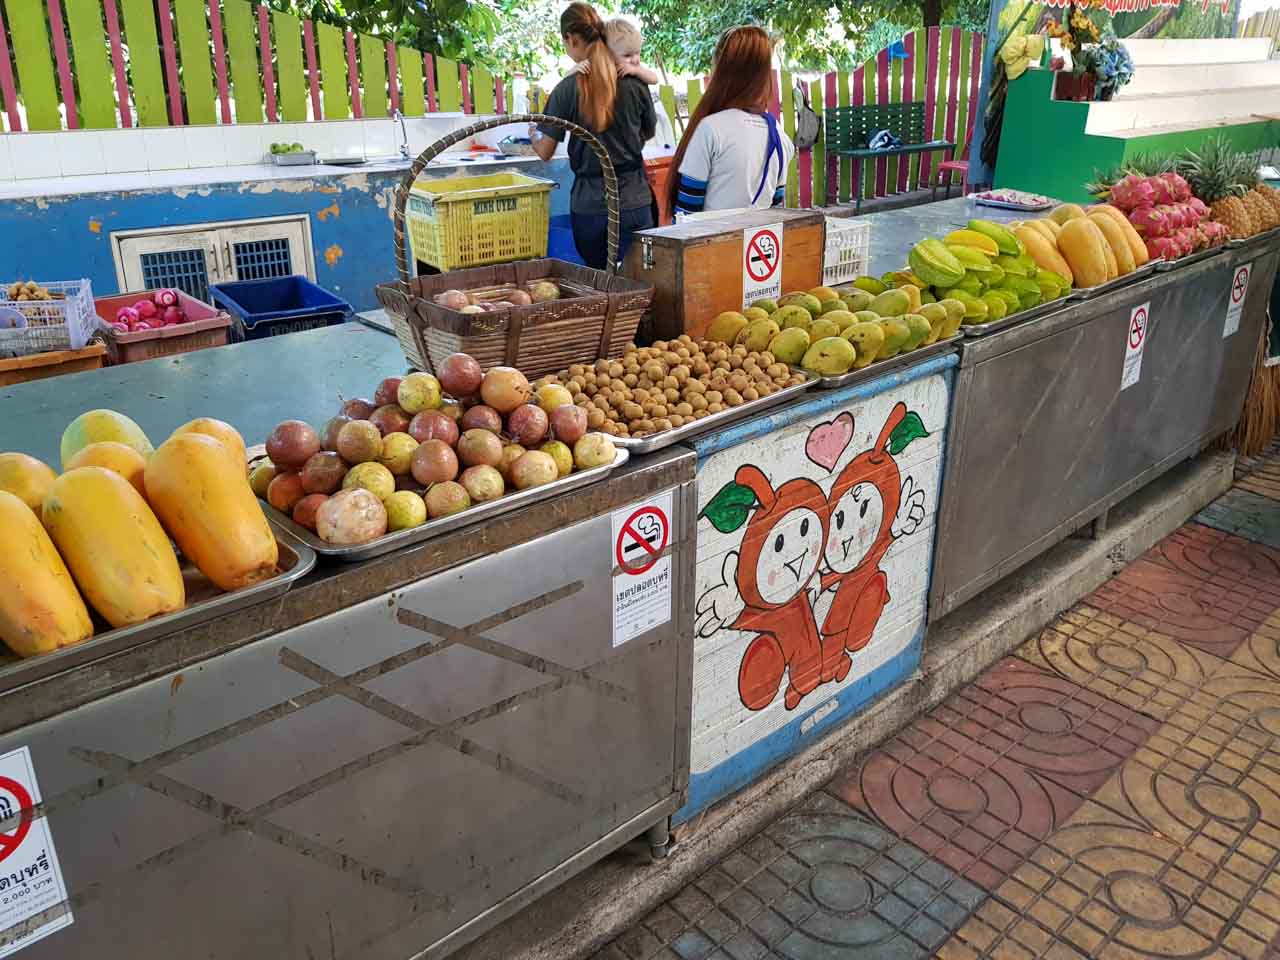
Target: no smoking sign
(761,263)
(1235,298)
(1135,342)
(642,568)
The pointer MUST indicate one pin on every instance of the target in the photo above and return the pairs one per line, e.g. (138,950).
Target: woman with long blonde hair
(733,154)
(619,111)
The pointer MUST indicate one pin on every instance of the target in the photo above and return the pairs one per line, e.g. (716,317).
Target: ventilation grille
(262,259)
(182,269)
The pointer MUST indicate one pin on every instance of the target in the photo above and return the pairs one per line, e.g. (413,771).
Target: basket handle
(447,141)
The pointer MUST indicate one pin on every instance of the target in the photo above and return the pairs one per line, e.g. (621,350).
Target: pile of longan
(672,383)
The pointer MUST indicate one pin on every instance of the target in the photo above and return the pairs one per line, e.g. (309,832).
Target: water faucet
(398,117)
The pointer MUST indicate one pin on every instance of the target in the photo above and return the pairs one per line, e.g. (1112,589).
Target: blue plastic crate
(268,308)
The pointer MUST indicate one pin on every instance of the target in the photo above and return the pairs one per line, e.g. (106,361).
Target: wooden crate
(697,266)
(37,366)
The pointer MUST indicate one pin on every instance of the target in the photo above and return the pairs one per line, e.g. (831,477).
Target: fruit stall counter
(895,232)
(1067,415)
(386,759)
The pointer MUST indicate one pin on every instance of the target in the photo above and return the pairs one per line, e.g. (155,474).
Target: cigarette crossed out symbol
(119,770)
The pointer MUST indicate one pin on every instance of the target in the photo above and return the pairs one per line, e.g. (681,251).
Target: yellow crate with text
(471,221)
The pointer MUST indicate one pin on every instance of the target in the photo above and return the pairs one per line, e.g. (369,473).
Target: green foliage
(457,29)
(813,35)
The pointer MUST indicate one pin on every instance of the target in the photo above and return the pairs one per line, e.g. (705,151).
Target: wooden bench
(850,129)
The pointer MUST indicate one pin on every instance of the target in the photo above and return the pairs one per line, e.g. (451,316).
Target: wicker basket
(597,318)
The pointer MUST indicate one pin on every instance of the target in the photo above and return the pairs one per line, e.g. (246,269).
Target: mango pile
(992,270)
(830,332)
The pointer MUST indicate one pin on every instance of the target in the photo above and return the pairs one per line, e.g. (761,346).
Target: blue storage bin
(560,240)
(268,308)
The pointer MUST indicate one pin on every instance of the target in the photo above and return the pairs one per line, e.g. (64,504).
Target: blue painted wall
(68,237)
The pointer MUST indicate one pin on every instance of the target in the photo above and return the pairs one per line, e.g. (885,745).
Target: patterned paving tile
(1246,514)
(1263,479)
(822,883)
(1175,856)
(1261,652)
(1133,665)
(984,778)
(1200,586)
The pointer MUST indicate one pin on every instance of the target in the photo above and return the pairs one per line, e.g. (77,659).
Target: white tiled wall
(31,156)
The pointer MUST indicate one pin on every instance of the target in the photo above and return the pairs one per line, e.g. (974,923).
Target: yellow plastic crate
(470,221)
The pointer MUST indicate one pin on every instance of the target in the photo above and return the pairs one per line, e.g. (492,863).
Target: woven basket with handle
(597,315)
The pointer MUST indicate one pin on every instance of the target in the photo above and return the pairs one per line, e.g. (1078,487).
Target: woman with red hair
(733,154)
(619,111)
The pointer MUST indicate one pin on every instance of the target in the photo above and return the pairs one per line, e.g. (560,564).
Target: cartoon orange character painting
(802,543)
(866,501)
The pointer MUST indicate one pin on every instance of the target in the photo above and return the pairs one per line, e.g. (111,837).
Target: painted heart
(828,440)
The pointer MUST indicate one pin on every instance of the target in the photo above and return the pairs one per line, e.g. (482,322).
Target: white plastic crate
(848,250)
(64,323)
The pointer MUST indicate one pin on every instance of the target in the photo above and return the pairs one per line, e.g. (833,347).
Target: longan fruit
(609,427)
(723,366)
(682,353)
(623,430)
(630,379)
(701,414)
(660,345)
(714,397)
(782,381)
(655,371)
(776,369)
(672,395)
(577,370)
(595,417)
(662,423)
(698,402)
(671,358)
(739,382)
(615,369)
(632,411)
(798,379)
(766,358)
(694,386)
(733,397)
(685,338)
(684,409)
(715,407)
(581,399)
(749,394)
(676,420)
(719,354)
(602,366)
(740,350)
(603,380)
(589,389)
(735,362)
(701,368)
(659,410)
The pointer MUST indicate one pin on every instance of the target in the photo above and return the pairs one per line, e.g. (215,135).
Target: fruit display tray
(716,421)
(435,528)
(1017,319)
(204,602)
(880,367)
(1008,205)
(1164,266)
(1256,240)
(1088,293)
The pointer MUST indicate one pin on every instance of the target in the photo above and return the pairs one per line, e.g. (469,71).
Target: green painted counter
(253,386)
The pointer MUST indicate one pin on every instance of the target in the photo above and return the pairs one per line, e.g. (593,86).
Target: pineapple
(1213,175)
(1260,212)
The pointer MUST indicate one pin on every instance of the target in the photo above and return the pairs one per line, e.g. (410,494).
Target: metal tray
(1257,239)
(716,421)
(301,159)
(1017,319)
(1164,266)
(204,602)
(879,368)
(434,528)
(1088,293)
(1006,205)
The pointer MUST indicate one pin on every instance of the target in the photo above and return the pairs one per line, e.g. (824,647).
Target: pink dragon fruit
(1162,190)
(1190,213)
(1188,238)
(1150,222)
(1215,232)
(1163,248)
(1132,192)
(1198,205)
(1181,189)
(1172,216)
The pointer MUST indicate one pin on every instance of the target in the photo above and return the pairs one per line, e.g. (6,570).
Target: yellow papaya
(1085,250)
(1116,243)
(1066,212)
(117,457)
(26,478)
(221,431)
(204,500)
(1043,252)
(40,607)
(113,545)
(1137,248)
